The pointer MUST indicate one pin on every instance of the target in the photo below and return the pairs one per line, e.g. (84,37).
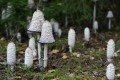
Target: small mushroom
(110,16)
(19,36)
(59,33)
(86,34)
(32,45)
(31,4)
(110,50)
(71,39)
(95,26)
(36,26)
(110,72)
(56,27)
(46,38)
(28,61)
(94,12)
(11,55)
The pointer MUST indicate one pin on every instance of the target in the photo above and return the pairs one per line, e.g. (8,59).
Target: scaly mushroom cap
(28,57)
(37,21)
(110,72)
(32,45)
(71,37)
(95,25)
(46,35)
(110,49)
(11,54)
(86,34)
(110,14)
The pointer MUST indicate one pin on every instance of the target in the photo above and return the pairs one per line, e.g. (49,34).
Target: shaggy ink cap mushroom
(46,34)
(37,21)
(110,14)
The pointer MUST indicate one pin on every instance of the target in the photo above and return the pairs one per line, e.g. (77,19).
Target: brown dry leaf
(34,59)
(118,75)
(51,71)
(21,52)
(74,54)
(54,51)
(18,77)
(64,56)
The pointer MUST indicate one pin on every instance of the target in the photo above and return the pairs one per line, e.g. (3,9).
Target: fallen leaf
(64,56)
(74,54)
(51,71)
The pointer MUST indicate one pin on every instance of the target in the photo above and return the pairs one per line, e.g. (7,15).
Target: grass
(90,65)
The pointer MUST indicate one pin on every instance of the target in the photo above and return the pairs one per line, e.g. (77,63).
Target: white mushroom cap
(86,34)
(19,36)
(32,45)
(31,3)
(56,27)
(110,14)
(110,49)
(95,25)
(110,72)
(37,21)
(71,37)
(11,54)
(28,57)
(46,35)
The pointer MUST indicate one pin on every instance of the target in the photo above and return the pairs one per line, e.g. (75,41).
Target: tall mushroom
(46,38)
(94,12)
(19,36)
(71,39)
(86,34)
(110,72)
(32,45)
(95,26)
(110,16)
(28,61)
(11,55)
(36,26)
(110,50)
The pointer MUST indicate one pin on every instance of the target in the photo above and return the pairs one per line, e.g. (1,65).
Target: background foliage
(79,12)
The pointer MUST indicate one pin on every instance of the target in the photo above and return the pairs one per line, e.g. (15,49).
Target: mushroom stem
(45,55)
(70,49)
(94,13)
(109,24)
(39,51)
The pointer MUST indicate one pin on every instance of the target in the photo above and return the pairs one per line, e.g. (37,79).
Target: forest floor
(87,62)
